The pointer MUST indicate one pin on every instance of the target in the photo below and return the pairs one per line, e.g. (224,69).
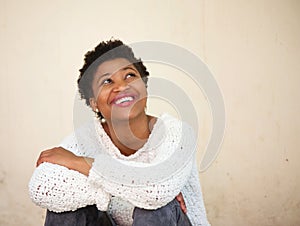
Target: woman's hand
(180,199)
(63,157)
(58,155)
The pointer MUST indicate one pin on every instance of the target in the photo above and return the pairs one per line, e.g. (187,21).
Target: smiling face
(119,92)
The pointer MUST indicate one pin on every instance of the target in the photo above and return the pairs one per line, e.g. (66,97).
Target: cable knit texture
(59,189)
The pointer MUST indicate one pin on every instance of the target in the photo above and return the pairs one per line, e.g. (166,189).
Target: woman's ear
(93,104)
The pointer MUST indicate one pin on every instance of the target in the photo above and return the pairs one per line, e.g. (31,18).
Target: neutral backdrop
(251,47)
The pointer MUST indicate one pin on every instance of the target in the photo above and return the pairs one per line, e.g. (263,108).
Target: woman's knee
(170,214)
(86,216)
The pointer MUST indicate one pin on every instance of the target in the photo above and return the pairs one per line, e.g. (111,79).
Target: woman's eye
(106,81)
(130,75)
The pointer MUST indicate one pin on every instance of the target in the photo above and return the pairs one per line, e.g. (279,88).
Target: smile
(124,101)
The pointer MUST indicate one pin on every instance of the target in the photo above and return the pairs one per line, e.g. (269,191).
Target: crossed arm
(73,166)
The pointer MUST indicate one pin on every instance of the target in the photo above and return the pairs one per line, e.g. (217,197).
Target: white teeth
(124,99)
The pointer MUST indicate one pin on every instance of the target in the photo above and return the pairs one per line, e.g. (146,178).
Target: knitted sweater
(59,189)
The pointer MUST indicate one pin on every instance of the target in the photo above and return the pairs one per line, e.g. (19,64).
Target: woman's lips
(123,100)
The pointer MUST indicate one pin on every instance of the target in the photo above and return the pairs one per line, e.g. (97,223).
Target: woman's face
(119,91)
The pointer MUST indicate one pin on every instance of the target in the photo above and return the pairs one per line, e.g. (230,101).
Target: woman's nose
(120,86)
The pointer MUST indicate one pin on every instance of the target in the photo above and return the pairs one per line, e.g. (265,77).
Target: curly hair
(105,51)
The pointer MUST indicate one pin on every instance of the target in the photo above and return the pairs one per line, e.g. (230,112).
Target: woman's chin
(124,116)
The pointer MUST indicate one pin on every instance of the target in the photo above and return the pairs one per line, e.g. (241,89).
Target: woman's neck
(129,136)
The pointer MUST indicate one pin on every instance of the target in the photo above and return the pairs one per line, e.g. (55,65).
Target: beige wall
(252,48)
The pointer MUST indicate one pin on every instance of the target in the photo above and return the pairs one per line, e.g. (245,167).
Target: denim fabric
(87,216)
(169,215)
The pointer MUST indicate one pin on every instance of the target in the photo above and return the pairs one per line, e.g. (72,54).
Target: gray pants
(169,215)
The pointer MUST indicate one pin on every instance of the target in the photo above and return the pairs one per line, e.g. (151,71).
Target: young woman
(70,180)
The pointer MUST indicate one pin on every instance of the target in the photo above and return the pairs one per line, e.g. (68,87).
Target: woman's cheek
(141,87)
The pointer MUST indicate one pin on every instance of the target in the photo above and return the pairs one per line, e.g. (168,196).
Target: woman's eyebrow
(101,76)
(128,67)
(123,69)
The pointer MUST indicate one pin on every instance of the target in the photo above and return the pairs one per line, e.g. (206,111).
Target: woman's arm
(59,189)
(63,157)
(151,195)
(68,159)
(192,195)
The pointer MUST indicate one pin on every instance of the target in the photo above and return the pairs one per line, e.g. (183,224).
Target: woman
(69,180)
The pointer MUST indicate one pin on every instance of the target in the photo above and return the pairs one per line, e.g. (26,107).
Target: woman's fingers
(57,155)
(63,157)
(180,199)
(42,157)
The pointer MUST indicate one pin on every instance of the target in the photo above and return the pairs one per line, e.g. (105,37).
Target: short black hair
(105,51)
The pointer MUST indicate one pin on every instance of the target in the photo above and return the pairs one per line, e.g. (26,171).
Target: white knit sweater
(59,189)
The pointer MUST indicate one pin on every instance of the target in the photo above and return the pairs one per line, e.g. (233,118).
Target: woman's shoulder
(81,140)
(174,124)
(168,134)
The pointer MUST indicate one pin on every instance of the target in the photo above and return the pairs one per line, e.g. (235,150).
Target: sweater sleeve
(192,195)
(59,189)
(147,196)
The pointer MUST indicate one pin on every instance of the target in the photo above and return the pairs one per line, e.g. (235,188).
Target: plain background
(251,47)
